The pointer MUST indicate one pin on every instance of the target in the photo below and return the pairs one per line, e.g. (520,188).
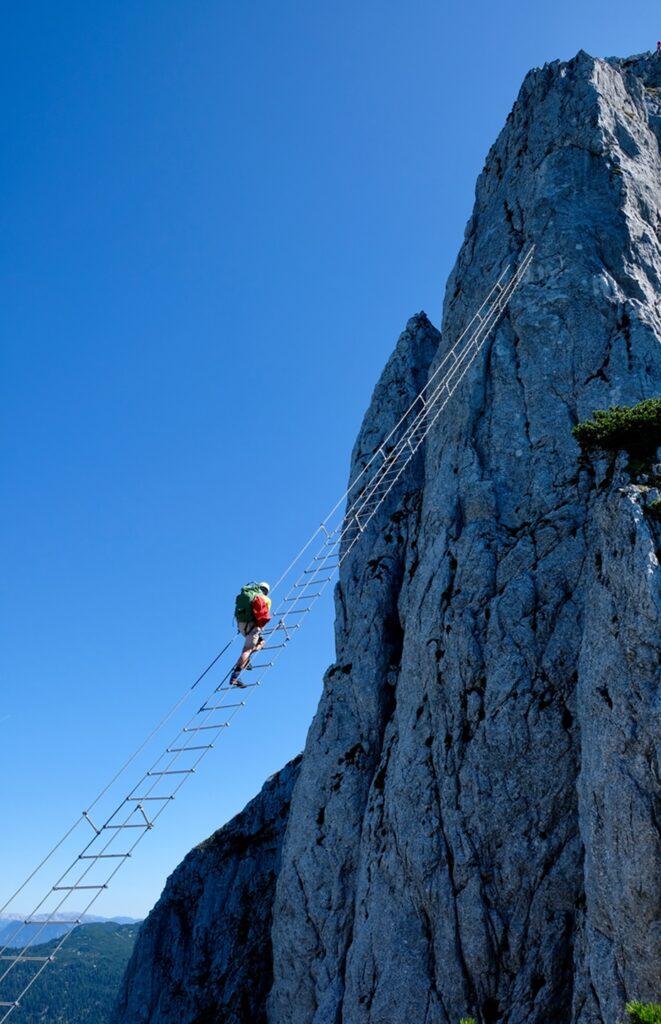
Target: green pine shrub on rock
(644,1013)
(635,429)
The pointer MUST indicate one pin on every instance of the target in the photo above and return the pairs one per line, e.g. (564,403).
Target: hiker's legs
(253,642)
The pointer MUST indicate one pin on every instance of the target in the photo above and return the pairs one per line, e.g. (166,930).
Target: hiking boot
(235,681)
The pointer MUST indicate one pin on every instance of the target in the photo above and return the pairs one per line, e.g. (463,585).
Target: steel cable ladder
(113,841)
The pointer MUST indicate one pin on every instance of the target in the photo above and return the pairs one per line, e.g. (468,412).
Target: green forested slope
(80,986)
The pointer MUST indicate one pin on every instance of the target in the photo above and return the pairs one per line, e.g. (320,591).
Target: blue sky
(216,218)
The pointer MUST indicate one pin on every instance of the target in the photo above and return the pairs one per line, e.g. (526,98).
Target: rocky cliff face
(204,952)
(474,827)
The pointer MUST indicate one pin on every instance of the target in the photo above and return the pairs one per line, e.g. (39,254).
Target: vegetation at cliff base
(82,982)
(644,1013)
(635,429)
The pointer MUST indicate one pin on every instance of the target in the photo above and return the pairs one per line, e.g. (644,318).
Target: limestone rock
(479,858)
(475,828)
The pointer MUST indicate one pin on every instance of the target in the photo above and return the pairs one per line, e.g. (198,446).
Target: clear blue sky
(216,218)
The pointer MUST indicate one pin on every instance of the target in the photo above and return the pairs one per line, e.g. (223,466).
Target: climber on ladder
(252,611)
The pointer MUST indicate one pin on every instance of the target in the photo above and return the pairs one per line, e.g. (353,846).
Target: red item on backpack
(261,611)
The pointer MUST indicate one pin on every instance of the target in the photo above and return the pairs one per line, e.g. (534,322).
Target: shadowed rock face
(474,826)
(204,953)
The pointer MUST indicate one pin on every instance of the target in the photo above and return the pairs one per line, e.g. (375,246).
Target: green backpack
(242,606)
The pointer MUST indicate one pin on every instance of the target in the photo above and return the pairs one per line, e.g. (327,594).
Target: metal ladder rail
(312,581)
(84,816)
(388,472)
(109,828)
(143,827)
(381,449)
(370,499)
(451,354)
(449,383)
(461,373)
(482,321)
(387,475)
(486,324)
(149,781)
(330,551)
(135,811)
(455,355)
(180,745)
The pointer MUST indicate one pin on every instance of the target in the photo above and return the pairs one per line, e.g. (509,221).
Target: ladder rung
(220,707)
(300,597)
(197,728)
(15,1004)
(22,959)
(294,611)
(74,888)
(139,799)
(273,647)
(173,771)
(101,856)
(180,750)
(265,664)
(137,824)
(310,583)
(322,558)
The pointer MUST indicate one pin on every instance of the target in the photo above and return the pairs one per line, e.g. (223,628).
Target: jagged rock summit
(474,827)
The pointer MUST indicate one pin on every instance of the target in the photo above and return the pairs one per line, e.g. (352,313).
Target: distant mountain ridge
(13,936)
